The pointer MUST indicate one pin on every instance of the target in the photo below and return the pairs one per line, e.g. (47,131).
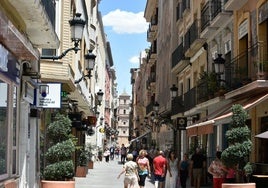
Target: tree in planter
(238,137)
(61,144)
(81,169)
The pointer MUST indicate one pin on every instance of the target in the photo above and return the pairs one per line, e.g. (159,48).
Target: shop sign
(48,95)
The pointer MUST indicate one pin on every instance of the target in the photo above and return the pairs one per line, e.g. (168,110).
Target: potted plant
(81,169)
(89,149)
(59,167)
(100,154)
(238,137)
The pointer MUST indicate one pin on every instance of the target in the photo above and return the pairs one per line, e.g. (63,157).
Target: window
(4,87)
(8,108)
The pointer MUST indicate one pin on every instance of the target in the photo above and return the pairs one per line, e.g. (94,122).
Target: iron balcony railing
(248,66)
(177,105)
(177,55)
(190,99)
(149,108)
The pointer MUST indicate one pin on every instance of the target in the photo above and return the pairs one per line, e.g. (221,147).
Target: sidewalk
(104,175)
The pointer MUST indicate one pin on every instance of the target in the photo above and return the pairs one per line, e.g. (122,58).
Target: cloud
(135,59)
(123,22)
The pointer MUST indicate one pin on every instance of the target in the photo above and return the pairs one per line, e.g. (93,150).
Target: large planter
(238,185)
(81,171)
(57,184)
(90,164)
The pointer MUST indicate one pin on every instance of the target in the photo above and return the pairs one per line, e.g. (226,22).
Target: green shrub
(58,157)
(238,137)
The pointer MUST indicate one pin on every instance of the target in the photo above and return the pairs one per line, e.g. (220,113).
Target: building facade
(37,52)
(214,52)
(123,112)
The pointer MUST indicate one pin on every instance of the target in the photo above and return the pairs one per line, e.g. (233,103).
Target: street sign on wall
(48,95)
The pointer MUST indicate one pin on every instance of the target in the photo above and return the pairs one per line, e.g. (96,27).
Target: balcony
(92,34)
(219,17)
(190,99)
(206,29)
(234,4)
(185,4)
(193,42)
(149,108)
(177,105)
(151,34)
(55,71)
(154,21)
(179,61)
(248,72)
(43,12)
(152,54)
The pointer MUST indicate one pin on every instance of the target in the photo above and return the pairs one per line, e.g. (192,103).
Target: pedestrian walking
(106,154)
(159,166)
(144,167)
(112,149)
(216,169)
(130,169)
(123,151)
(198,162)
(183,170)
(172,170)
(116,152)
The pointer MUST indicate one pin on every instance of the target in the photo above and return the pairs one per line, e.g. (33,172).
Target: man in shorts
(159,166)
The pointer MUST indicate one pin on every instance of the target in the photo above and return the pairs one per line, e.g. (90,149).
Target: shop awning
(247,105)
(262,135)
(206,127)
(139,137)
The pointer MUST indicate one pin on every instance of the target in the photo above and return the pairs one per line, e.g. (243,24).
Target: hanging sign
(48,95)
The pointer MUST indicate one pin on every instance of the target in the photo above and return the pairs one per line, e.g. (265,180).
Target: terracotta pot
(238,185)
(90,164)
(81,171)
(57,184)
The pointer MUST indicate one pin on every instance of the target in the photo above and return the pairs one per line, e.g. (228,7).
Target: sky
(126,30)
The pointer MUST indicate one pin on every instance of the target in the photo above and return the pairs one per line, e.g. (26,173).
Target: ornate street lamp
(219,64)
(173,91)
(77,25)
(100,96)
(90,63)
(156,107)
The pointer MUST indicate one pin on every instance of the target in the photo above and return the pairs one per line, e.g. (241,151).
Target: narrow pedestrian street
(104,175)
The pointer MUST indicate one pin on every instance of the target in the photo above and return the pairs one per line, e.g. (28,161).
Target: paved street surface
(104,175)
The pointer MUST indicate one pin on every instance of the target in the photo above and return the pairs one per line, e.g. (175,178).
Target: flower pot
(90,164)
(238,185)
(81,171)
(57,184)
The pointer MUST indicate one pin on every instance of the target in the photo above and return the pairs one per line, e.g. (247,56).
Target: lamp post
(219,66)
(90,63)
(173,91)
(77,25)
(98,102)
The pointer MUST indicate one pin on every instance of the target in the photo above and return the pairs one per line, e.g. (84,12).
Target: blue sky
(126,30)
